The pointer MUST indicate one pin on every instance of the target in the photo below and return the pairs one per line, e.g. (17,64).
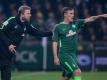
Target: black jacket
(12,32)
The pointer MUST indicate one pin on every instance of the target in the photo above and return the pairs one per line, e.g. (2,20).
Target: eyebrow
(71,13)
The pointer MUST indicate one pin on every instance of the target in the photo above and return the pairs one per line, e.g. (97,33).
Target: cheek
(70,17)
(25,16)
(28,16)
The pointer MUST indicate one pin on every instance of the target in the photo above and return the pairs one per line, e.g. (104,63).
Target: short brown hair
(65,9)
(22,9)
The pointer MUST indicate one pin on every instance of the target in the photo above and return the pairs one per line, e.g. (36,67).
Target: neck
(66,21)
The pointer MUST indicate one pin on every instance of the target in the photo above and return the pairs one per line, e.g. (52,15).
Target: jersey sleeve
(80,23)
(56,34)
(37,33)
(5,27)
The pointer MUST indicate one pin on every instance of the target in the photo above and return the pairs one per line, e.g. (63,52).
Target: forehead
(27,11)
(70,11)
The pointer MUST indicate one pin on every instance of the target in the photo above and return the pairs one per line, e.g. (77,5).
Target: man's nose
(72,15)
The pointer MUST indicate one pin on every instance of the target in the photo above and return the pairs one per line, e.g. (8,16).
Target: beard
(26,19)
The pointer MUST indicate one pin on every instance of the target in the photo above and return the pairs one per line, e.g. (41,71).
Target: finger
(10,50)
(14,50)
(56,63)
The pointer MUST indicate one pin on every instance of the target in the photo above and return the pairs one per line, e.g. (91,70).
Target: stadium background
(35,54)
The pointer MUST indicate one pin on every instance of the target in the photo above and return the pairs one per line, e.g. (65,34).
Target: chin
(71,20)
(28,20)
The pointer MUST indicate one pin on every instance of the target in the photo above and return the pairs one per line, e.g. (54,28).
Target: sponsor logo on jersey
(70,33)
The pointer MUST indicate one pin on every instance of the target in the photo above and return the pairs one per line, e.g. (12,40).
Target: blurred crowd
(47,13)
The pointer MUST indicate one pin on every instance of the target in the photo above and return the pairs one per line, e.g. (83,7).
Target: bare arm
(55,45)
(93,18)
(55,50)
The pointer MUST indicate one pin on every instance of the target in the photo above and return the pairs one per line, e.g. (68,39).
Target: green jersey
(66,35)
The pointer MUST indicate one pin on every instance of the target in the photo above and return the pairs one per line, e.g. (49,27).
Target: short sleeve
(56,34)
(80,23)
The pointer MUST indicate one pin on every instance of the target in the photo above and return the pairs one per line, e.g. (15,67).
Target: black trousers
(5,67)
(6,58)
(5,63)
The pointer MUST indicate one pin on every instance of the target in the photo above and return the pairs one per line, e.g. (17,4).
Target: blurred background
(35,54)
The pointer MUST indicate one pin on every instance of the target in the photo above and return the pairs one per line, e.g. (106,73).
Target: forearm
(55,48)
(40,34)
(35,32)
(93,18)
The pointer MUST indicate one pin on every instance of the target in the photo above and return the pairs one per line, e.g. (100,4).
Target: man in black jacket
(12,32)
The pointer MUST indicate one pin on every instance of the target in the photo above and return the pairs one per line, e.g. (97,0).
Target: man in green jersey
(65,42)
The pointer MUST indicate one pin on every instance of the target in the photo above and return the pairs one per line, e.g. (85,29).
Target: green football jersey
(66,35)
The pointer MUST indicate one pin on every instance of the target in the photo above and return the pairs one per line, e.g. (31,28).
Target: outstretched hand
(103,15)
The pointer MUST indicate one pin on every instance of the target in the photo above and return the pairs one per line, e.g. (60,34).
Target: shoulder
(9,20)
(78,20)
(57,26)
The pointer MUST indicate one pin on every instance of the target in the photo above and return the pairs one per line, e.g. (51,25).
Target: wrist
(55,57)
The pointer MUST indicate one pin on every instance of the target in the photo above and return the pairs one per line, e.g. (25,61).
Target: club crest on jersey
(74,26)
(70,33)
(16,27)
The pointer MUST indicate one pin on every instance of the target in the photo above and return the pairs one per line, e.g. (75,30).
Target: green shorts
(68,62)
